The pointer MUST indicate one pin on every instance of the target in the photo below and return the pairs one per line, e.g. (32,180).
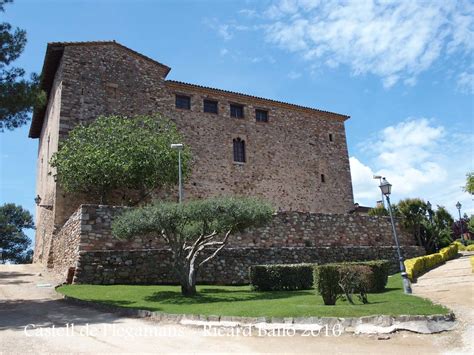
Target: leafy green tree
(131,154)
(413,213)
(195,231)
(469,183)
(18,95)
(378,211)
(14,243)
(471,225)
(443,222)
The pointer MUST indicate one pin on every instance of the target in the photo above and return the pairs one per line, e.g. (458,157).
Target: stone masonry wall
(230,267)
(65,247)
(292,237)
(287,229)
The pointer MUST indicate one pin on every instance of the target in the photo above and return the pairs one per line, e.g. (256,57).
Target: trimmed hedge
(417,266)
(288,277)
(380,270)
(337,279)
(326,282)
(462,247)
(281,277)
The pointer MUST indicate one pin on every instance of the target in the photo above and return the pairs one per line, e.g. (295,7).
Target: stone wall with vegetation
(231,267)
(86,241)
(287,229)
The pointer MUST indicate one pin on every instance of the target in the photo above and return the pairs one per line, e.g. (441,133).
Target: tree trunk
(187,277)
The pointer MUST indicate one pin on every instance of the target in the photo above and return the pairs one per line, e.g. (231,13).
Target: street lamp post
(379,178)
(458,206)
(430,216)
(179,147)
(386,189)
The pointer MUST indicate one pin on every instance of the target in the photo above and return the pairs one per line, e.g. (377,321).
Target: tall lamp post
(430,216)
(179,147)
(386,189)
(379,178)
(458,206)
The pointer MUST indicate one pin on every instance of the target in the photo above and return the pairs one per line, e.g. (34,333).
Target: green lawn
(241,301)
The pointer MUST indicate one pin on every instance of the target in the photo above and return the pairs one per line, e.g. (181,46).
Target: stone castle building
(293,156)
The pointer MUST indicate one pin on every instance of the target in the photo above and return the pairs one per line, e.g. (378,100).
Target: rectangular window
(239,150)
(236,111)
(210,106)
(331,137)
(183,102)
(323,178)
(261,115)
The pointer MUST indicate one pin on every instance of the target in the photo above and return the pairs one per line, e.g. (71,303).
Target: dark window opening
(261,115)
(239,150)
(236,111)
(183,102)
(210,106)
(323,178)
(330,137)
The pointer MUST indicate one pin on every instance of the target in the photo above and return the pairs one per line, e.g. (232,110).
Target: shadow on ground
(209,295)
(16,314)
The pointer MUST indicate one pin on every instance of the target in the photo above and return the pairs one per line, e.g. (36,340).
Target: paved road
(27,301)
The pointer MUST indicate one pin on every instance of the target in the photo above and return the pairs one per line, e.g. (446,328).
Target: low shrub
(337,279)
(468,247)
(417,266)
(379,277)
(326,281)
(449,252)
(355,279)
(281,277)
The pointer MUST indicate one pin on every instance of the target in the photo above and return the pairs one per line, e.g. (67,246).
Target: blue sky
(403,71)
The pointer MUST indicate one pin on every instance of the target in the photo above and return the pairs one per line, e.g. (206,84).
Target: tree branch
(199,242)
(223,244)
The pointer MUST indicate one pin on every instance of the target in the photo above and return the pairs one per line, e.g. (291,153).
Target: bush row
(417,266)
(462,247)
(280,277)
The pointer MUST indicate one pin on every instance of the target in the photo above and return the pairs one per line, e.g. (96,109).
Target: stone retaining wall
(230,267)
(65,245)
(86,242)
(287,229)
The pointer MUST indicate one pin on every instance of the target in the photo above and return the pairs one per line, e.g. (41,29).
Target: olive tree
(195,231)
(114,152)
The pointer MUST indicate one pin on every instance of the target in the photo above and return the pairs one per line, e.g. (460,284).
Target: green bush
(337,279)
(355,279)
(417,266)
(326,282)
(280,277)
(379,277)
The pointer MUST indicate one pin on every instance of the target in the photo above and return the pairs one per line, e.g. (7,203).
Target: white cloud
(395,40)
(466,82)
(294,75)
(223,52)
(248,12)
(420,159)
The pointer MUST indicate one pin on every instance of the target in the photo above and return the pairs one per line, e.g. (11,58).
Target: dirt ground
(34,319)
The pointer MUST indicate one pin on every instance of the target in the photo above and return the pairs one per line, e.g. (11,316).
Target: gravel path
(27,299)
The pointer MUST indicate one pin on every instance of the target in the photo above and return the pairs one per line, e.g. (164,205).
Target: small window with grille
(183,102)
(210,106)
(239,150)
